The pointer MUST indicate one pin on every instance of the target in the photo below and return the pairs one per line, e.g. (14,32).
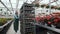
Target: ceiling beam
(53,1)
(11,4)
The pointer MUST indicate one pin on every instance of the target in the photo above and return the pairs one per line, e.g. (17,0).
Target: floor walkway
(11,30)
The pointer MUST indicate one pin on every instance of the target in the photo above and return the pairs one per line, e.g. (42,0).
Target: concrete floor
(11,30)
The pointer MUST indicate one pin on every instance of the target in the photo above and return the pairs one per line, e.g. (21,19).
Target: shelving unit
(27,15)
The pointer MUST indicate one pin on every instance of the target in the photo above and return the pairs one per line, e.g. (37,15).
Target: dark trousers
(16,23)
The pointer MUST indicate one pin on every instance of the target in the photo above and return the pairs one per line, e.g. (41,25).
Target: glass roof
(51,1)
(14,3)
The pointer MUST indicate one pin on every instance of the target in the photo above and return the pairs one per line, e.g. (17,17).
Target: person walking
(16,21)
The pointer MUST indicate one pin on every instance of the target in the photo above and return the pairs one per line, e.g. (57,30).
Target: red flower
(49,22)
(57,20)
(37,19)
(48,17)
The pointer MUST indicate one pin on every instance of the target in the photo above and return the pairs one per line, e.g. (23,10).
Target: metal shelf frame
(47,27)
(27,28)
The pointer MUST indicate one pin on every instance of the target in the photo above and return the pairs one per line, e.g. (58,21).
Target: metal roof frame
(11,4)
(4,5)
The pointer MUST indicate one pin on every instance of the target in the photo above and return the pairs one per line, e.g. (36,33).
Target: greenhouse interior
(29,16)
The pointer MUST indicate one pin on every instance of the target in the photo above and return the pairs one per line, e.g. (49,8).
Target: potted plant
(52,7)
(42,6)
(2,21)
(58,8)
(47,6)
(37,5)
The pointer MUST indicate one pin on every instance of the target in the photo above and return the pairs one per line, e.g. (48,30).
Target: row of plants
(47,6)
(4,20)
(52,19)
